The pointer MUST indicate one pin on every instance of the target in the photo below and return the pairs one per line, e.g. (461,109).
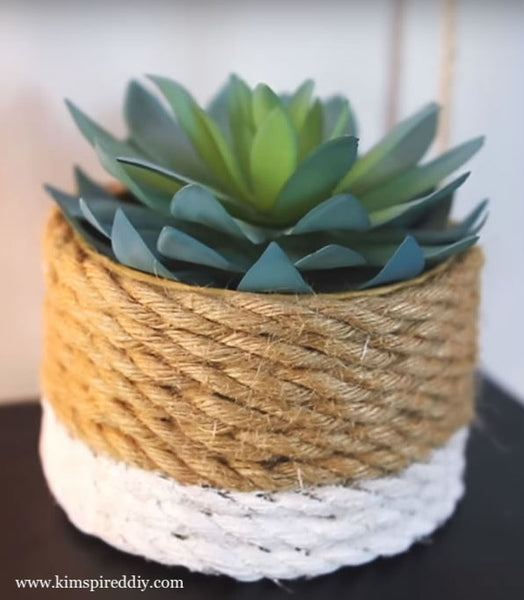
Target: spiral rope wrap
(256,392)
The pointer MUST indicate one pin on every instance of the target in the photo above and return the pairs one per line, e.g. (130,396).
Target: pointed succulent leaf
(168,175)
(405,214)
(230,164)
(140,184)
(474,221)
(438,216)
(68,204)
(71,210)
(242,210)
(155,131)
(94,133)
(218,108)
(88,188)
(421,179)
(257,234)
(300,102)
(178,245)
(274,272)
(204,134)
(469,226)
(101,217)
(152,128)
(264,100)
(435,254)
(315,179)
(339,118)
(100,213)
(131,250)
(241,122)
(403,147)
(241,100)
(310,135)
(273,157)
(341,212)
(406,262)
(196,204)
(332,256)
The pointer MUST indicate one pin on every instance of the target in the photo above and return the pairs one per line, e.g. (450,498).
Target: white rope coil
(249,535)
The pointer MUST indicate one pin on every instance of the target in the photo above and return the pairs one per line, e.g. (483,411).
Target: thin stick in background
(448,48)
(395,63)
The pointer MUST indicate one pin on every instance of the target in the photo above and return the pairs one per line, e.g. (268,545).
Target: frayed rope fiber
(249,535)
(254,391)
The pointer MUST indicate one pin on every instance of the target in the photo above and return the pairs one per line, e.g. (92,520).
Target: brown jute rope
(256,391)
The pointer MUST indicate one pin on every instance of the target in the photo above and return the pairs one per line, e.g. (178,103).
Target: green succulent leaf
(264,100)
(155,131)
(241,122)
(240,100)
(469,226)
(402,148)
(100,213)
(437,254)
(218,109)
(407,213)
(273,157)
(143,185)
(88,188)
(419,180)
(71,210)
(107,149)
(170,179)
(474,221)
(332,256)
(178,245)
(310,135)
(178,180)
(438,216)
(131,249)
(339,118)
(204,134)
(341,212)
(101,218)
(196,204)
(152,182)
(406,262)
(315,179)
(300,102)
(274,272)
(95,134)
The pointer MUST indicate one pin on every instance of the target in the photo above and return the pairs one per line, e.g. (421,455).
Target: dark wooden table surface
(478,555)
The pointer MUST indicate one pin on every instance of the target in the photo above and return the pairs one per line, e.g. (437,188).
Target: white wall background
(88,51)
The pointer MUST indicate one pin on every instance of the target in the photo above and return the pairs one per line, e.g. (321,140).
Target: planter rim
(217,292)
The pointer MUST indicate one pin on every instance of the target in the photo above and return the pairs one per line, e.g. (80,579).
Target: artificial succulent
(267,193)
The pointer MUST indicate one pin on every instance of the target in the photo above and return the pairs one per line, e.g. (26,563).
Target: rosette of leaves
(267,193)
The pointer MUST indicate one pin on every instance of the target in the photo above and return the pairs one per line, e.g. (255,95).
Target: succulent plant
(267,193)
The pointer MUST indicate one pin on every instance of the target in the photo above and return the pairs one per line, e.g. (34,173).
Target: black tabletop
(478,555)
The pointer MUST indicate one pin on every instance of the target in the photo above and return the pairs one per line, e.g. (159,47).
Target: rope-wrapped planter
(255,435)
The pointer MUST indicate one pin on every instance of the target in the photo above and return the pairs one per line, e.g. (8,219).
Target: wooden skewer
(448,47)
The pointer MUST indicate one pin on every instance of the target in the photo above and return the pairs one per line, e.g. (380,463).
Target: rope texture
(249,535)
(255,391)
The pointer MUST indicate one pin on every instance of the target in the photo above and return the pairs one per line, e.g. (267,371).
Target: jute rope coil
(251,391)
